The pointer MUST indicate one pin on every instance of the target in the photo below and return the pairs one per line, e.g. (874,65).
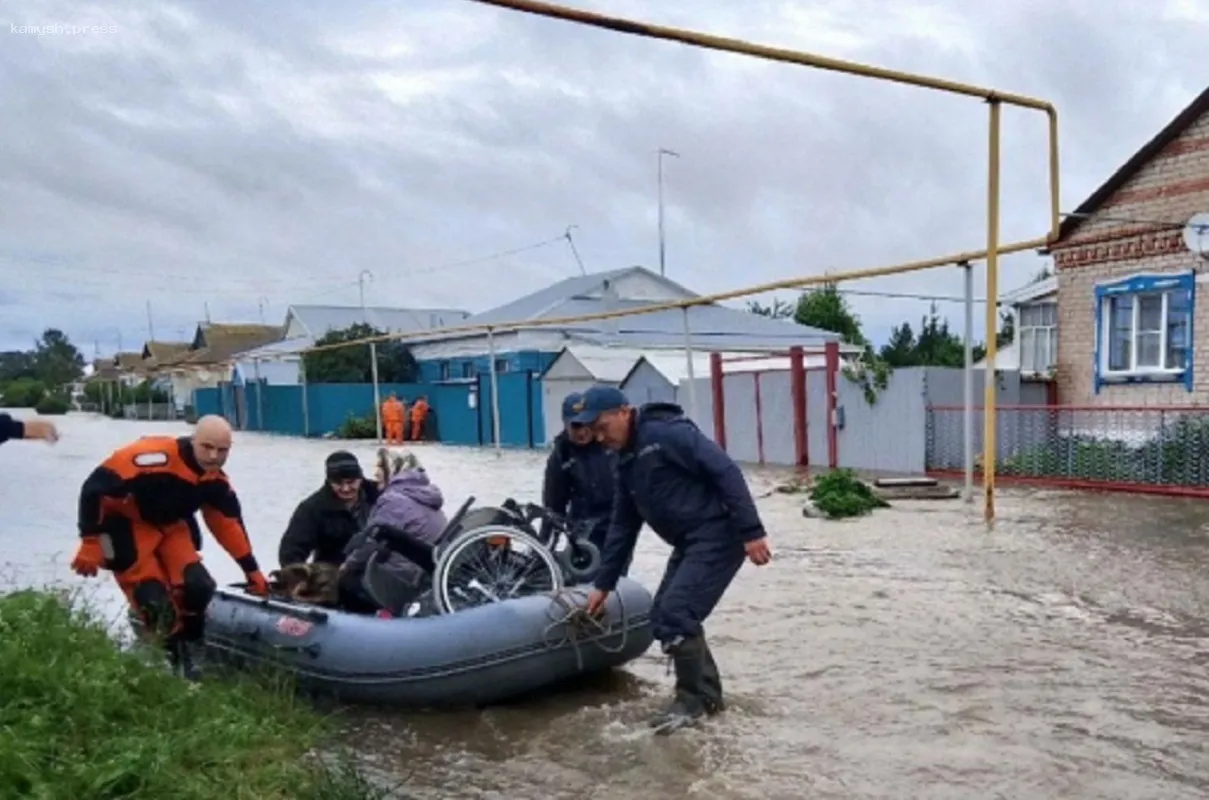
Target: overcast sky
(254,155)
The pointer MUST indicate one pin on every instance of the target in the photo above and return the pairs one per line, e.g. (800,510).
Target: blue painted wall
(206,401)
(458,413)
(521,423)
(470,367)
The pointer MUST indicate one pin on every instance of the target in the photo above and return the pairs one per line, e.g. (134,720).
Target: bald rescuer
(137,519)
(673,478)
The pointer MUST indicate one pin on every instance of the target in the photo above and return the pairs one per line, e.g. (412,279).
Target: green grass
(80,718)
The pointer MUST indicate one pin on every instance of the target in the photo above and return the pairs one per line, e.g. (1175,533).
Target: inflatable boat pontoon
(507,618)
(477,656)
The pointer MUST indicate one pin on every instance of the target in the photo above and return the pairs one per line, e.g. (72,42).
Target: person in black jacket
(579,476)
(671,476)
(323,523)
(28,429)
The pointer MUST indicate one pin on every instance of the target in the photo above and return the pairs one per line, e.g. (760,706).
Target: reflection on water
(914,653)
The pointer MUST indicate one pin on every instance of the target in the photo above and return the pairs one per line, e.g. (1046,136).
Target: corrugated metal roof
(318,320)
(1035,290)
(607,364)
(673,365)
(277,350)
(547,302)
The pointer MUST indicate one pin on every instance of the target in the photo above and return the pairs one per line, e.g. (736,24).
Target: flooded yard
(910,654)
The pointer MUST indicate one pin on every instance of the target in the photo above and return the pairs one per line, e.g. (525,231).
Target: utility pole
(662,249)
(373,351)
(264,301)
(574,250)
(150,326)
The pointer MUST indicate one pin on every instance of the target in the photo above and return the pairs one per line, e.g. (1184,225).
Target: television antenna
(1196,234)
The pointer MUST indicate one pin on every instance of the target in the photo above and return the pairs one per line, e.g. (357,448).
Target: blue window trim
(1143,283)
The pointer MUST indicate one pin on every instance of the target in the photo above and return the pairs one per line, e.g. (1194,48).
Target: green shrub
(840,493)
(23,393)
(80,718)
(358,427)
(52,404)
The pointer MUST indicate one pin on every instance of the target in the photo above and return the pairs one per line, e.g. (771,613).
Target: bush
(1178,455)
(358,427)
(23,393)
(840,493)
(81,718)
(53,404)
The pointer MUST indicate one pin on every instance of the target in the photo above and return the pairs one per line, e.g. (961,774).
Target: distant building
(207,361)
(278,363)
(534,347)
(1033,350)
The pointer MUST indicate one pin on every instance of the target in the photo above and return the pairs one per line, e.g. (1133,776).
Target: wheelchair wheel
(490,565)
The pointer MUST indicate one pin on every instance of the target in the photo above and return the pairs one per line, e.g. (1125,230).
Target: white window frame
(1106,329)
(1051,338)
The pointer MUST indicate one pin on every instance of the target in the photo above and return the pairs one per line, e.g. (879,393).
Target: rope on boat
(574,626)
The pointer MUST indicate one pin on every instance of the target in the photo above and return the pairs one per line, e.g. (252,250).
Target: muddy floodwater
(910,654)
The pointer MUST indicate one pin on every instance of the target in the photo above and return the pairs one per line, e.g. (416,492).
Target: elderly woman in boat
(410,504)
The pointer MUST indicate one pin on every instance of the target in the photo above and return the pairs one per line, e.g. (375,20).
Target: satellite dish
(1196,234)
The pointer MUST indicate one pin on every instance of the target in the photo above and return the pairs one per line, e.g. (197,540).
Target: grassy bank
(81,719)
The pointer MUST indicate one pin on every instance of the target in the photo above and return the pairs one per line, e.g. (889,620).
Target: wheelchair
(484,555)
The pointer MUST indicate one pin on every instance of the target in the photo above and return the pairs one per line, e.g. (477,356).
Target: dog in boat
(314,584)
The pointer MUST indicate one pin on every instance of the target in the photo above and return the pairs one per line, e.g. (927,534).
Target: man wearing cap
(579,475)
(689,491)
(323,523)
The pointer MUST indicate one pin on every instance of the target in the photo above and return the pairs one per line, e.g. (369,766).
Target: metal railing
(1162,450)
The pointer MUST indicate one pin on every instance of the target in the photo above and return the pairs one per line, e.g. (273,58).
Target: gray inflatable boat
(477,656)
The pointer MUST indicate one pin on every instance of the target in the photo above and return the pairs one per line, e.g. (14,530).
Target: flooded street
(911,654)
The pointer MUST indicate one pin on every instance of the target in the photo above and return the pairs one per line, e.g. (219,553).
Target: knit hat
(342,465)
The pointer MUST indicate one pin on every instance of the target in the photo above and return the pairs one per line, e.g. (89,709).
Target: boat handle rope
(570,619)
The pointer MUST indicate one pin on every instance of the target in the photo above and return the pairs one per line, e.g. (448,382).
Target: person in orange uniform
(136,519)
(419,415)
(394,417)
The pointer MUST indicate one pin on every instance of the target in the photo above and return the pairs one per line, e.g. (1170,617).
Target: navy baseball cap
(569,405)
(595,402)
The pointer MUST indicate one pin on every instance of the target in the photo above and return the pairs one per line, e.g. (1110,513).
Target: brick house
(1127,284)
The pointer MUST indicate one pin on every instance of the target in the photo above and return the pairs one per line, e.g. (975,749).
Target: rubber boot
(712,682)
(183,661)
(689,702)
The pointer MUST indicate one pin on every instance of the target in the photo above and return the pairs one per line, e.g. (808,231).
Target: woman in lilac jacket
(409,503)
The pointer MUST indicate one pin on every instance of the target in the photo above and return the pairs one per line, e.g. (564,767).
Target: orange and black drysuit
(394,417)
(137,519)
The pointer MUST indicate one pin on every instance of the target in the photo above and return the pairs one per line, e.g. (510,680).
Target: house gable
(1137,212)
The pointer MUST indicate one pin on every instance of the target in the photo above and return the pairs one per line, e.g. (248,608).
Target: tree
(827,309)
(56,361)
(351,364)
(16,364)
(778,309)
(900,350)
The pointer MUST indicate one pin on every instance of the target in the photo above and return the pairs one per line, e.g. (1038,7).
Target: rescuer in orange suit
(136,519)
(394,417)
(419,415)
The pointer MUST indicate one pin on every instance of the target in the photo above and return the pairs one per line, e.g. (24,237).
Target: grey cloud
(280,166)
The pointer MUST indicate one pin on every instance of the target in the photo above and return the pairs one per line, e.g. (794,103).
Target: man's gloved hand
(89,557)
(258,584)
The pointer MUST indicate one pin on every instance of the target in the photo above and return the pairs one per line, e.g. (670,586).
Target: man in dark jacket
(29,429)
(323,523)
(689,491)
(579,476)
